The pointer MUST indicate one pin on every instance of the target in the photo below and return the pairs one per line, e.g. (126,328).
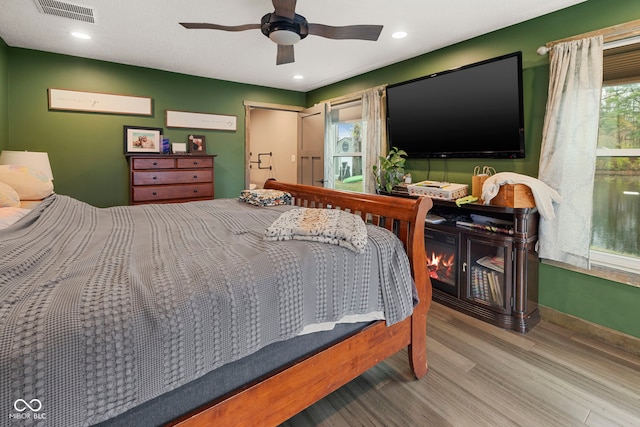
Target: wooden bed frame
(283,394)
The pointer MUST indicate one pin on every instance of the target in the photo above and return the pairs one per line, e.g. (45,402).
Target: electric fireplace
(442,260)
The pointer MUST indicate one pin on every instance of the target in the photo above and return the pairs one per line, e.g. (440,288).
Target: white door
(311,130)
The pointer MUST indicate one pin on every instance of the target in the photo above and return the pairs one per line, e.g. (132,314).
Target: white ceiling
(146,33)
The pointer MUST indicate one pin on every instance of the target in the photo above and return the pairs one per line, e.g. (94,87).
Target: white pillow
(30,184)
(8,197)
(8,216)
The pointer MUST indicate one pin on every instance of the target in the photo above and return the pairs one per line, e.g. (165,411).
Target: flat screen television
(474,111)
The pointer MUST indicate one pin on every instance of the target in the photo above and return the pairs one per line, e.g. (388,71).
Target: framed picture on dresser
(138,140)
(197,144)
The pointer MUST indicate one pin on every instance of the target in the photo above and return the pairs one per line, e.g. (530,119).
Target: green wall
(613,305)
(86,149)
(4,96)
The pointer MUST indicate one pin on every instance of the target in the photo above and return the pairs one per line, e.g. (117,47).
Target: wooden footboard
(277,398)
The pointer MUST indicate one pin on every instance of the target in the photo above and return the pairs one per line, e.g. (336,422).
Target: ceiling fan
(285,28)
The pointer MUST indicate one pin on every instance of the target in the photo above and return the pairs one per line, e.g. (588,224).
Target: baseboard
(591,330)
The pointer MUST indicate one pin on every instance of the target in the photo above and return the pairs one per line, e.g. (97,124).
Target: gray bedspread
(102,309)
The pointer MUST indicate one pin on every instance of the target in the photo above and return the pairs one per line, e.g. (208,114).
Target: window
(354,138)
(346,137)
(347,158)
(615,231)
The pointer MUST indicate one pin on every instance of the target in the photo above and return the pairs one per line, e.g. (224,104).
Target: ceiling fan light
(284,37)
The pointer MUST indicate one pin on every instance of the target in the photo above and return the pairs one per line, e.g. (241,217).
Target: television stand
(487,271)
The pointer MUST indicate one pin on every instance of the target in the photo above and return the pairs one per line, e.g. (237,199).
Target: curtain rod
(351,96)
(610,34)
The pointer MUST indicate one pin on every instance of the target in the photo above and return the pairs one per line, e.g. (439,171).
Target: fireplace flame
(440,266)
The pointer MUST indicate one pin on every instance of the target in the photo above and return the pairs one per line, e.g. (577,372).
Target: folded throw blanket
(320,225)
(265,197)
(542,193)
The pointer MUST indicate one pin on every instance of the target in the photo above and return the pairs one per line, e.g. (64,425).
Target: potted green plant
(391,170)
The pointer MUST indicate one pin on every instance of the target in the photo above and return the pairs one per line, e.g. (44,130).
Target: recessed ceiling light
(82,36)
(298,77)
(399,35)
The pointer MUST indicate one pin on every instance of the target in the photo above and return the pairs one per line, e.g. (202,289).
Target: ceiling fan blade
(285,54)
(286,8)
(205,26)
(359,32)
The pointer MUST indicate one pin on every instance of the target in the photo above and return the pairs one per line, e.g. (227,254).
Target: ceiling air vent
(66,10)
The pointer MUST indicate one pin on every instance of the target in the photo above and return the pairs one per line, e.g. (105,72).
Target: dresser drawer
(153,163)
(195,162)
(171,177)
(175,193)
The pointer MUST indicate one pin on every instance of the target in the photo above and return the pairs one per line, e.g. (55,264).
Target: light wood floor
(480,375)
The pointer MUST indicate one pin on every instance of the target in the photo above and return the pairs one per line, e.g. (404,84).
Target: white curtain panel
(374,120)
(568,154)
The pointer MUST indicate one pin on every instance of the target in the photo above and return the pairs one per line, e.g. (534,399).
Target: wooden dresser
(169,178)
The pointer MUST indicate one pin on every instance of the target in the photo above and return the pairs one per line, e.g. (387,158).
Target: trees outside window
(616,200)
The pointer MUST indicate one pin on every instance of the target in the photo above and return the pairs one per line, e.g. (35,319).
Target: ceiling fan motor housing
(282,30)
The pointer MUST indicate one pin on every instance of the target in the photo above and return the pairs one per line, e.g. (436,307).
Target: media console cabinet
(489,272)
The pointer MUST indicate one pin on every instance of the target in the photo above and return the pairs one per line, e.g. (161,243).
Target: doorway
(272,141)
(277,143)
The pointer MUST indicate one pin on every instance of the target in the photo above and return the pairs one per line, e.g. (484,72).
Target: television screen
(471,111)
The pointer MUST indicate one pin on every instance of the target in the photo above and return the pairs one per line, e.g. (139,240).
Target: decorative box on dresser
(170,178)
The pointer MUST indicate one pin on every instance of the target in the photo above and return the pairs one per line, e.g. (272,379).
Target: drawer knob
(195,176)
(155,163)
(155,177)
(195,191)
(154,193)
(195,163)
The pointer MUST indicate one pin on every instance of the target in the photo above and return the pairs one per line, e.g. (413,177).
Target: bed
(133,359)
